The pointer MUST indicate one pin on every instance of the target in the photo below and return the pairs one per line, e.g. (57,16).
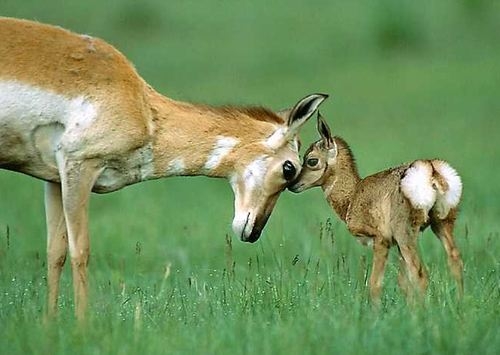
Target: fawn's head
(319,160)
(267,168)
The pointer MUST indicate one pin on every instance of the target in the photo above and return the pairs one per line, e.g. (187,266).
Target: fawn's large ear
(302,111)
(326,136)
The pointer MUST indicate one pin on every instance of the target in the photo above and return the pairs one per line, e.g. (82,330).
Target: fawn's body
(75,113)
(388,208)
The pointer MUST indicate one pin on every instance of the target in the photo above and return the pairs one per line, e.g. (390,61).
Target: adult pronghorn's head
(271,164)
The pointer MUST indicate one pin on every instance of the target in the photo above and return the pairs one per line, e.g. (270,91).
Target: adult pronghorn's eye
(289,170)
(312,162)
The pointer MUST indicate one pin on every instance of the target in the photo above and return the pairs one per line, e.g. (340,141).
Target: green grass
(407,81)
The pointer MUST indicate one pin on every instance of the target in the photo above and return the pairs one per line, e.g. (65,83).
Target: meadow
(407,80)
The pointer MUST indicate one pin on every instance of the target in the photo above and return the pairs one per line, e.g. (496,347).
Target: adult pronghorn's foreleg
(57,242)
(77,179)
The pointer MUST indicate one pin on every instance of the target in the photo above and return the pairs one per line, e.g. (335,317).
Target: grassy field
(407,80)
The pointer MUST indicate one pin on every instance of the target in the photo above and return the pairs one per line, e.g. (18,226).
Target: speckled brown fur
(376,210)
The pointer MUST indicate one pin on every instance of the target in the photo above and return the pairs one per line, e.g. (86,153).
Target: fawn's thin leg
(403,276)
(77,180)
(444,231)
(416,271)
(57,243)
(380,253)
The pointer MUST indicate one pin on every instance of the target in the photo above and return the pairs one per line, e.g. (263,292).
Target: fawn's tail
(432,184)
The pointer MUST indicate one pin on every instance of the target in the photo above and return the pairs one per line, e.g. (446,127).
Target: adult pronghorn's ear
(302,111)
(326,136)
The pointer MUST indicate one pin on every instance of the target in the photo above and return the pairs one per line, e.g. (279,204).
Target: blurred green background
(407,80)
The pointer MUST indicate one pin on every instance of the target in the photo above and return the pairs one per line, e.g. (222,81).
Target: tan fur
(136,134)
(376,210)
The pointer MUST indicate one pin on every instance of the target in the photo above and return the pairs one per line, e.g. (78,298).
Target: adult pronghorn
(75,113)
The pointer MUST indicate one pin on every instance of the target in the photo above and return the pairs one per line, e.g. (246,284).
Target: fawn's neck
(340,185)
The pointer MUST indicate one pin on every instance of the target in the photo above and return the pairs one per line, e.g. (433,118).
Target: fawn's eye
(289,170)
(312,162)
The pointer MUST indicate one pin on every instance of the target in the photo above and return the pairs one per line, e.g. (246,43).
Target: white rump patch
(176,167)
(222,147)
(417,186)
(451,197)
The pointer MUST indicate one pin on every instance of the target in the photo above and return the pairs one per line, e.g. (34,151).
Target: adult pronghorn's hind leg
(77,180)
(57,242)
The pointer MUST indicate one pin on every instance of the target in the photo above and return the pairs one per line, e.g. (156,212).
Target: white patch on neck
(222,147)
(176,167)
(254,174)
(276,139)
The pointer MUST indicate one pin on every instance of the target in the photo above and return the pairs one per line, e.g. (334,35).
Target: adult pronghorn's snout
(251,231)
(244,226)
(249,223)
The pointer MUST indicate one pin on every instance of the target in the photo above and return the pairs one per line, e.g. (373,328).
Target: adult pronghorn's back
(72,64)
(74,112)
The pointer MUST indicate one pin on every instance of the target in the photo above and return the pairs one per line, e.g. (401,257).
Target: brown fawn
(75,113)
(388,208)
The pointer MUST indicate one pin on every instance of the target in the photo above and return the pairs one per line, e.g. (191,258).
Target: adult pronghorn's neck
(340,186)
(193,139)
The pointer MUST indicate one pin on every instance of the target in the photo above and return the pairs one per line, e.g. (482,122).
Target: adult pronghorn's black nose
(254,236)
(258,226)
